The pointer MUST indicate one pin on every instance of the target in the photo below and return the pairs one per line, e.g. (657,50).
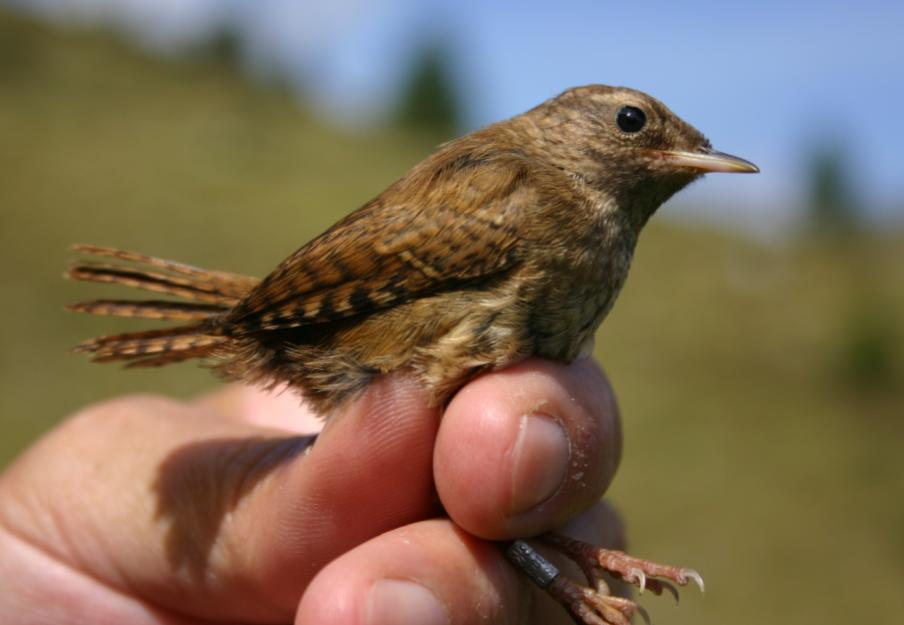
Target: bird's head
(627,145)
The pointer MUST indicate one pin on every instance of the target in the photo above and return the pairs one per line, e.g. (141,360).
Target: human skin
(146,510)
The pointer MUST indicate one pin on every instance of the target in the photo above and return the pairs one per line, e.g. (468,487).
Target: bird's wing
(458,227)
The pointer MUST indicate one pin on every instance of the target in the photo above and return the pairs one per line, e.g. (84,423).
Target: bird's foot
(646,575)
(589,606)
(594,604)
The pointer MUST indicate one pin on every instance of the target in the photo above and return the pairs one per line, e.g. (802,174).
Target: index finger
(279,408)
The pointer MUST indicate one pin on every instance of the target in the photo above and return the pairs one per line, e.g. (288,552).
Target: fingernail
(540,462)
(401,602)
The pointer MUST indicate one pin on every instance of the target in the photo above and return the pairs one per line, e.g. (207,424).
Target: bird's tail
(209,294)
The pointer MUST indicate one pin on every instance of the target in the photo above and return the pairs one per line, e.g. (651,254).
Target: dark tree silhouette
(429,101)
(831,205)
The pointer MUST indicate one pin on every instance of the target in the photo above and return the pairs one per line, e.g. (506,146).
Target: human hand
(145,510)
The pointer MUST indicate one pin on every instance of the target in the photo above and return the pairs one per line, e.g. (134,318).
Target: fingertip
(429,573)
(522,450)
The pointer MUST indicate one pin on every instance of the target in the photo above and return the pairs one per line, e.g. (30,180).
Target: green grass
(761,386)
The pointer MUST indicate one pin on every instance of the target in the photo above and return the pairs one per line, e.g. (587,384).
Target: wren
(509,242)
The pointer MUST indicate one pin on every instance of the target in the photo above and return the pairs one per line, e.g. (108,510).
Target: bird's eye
(630,119)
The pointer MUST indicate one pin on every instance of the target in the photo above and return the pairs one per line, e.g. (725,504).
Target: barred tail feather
(210,294)
(152,347)
(147,309)
(231,287)
(148,281)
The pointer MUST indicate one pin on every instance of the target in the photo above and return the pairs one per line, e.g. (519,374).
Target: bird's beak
(708,162)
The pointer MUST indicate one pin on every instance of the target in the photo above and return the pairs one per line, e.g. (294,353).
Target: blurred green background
(761,381)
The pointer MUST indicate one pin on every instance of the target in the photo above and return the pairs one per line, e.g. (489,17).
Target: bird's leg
(593,604)
(587,606)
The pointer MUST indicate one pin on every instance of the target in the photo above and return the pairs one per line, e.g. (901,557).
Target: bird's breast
(574,295)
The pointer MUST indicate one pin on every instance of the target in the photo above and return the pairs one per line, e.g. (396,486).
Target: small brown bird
(509,242)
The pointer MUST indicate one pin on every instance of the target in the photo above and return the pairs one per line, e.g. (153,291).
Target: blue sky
(766,80)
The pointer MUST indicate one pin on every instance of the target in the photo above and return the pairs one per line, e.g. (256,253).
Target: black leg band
(541,571)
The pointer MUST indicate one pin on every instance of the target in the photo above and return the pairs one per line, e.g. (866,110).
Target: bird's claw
(644,615)
(691,574)
(594,605)
(658,586)
(638,578)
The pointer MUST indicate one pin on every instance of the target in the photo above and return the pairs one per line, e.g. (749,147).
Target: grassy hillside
(761,386)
